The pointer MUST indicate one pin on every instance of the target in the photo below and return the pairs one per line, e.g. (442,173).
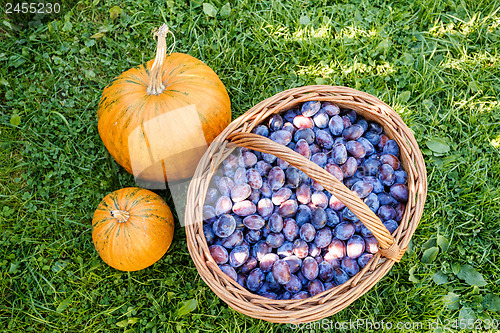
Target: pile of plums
(279,233)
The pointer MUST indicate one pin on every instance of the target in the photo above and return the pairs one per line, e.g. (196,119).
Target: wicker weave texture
(391,247)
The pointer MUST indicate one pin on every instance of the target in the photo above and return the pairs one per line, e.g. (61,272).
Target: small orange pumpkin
(132,228)
(157,119)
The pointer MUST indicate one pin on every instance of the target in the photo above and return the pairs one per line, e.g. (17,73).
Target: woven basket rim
(339,297)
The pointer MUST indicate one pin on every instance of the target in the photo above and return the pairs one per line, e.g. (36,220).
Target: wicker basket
(391,247)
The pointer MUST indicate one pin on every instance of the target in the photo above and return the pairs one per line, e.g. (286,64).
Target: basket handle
(388,246)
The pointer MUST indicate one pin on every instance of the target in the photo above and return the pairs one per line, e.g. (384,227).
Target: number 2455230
(33,8)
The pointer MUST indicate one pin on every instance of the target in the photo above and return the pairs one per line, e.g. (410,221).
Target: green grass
(436,62)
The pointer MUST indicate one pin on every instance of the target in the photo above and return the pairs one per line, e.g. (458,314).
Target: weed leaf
(440,278)
(187,307)
(471,276)
(430,255)
(491,302)
(438,145)
(209,9)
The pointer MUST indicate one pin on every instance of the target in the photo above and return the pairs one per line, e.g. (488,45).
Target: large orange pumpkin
(132,228)
(157,119)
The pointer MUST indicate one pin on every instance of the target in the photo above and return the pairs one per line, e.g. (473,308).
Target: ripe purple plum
(340,276)
(301,122)
(337,249)
(265,207)
(355,149)
(362,188)
(303,194)
(332,217)
(310,108)
(247,159)
(288,126)
(344,230)
(238,256)
(390,159)
(391,147)
(235,239)
(324,139)
(371,244)
(260,249)
(302,148)
(335,203)
(224,226)
(275,122)
(276,222)
(294,263)
(281,271)
(391,225)
(330,108)
(303,215)
(319,199)
(288,208)
(219,254)
(276,178)
(240,192)
(267,261)
(261,130)
(282,137)
(306,134)
(318,217)
(310,268)
(355,247)
(249,265)
(275,239)
(335,171)
(293,177)
(229,271)
(401,176)
(244,208)
(386,199)
(321,119)
(254,178)
(315,287)
(349,167)
(320,159)
(294,285)
(208,233)
(373,137)
(300,295)
(290,114)
(223,205)
(386,213)
(254,222)
(300,248)
(225,186)
(212,196)
(400,210)
(285,250)
(386,175)
(307,232)
(325,271)
(290,229)
(353,132)
(323,238)
(209,214)
(372,202)
(255,279)
(350,266)
(336,125)
(400,192)
(364,259)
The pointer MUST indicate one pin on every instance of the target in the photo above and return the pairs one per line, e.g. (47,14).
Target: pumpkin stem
(156,86)
(121,215)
